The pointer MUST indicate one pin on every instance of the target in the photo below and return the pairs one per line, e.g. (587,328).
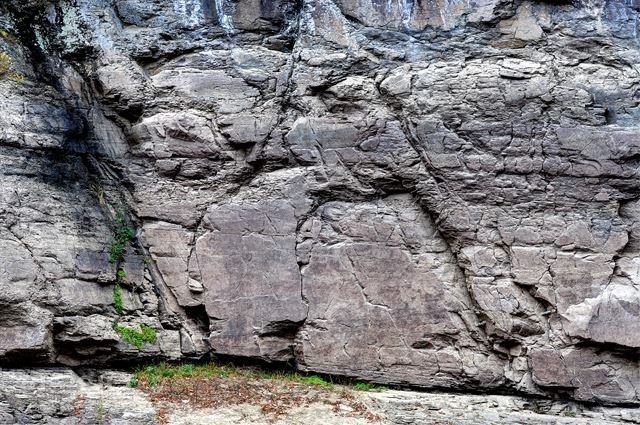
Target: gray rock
(65,397)
(441,194)
(247,260)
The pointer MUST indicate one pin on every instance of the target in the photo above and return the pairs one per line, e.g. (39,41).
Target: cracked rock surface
(90,396)
(437,194)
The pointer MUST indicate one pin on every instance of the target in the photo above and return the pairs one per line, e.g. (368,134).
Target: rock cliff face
(439,193)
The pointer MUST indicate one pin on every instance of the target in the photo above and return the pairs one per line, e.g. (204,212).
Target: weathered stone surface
(247,261)
(443,194)
(90,396)
(387,301)
(64,398)
(586,373)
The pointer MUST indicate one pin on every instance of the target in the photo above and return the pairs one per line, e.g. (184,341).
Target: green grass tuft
(120,275)
(133,382)
(117,298)
(154,374)
(366,386)
(135,337)
(187,370)
(123,235)
(314,380)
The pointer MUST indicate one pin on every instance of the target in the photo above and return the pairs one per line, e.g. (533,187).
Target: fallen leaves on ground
(274,397)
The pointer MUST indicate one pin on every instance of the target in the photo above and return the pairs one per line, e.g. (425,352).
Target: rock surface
(63,397)
(438,194)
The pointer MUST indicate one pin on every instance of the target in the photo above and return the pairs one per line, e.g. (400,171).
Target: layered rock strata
(440,194)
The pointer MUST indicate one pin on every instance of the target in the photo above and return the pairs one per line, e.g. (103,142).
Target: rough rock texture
(442,194)
(63,397)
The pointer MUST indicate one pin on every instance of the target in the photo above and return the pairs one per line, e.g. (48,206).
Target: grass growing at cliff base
(367,386)
(154,374)
(274,392)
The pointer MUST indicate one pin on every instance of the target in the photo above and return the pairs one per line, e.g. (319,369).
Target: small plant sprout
(135,337)
(120,275)
(117,298)
(123,235)
(366,386)
(133,382)
(315,380)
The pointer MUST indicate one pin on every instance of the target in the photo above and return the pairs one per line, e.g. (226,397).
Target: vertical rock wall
(442,194)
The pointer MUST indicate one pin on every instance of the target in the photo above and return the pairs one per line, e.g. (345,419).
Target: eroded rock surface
(441,194)
(102,396)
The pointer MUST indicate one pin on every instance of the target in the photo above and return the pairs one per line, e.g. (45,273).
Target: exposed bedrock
(441,194)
